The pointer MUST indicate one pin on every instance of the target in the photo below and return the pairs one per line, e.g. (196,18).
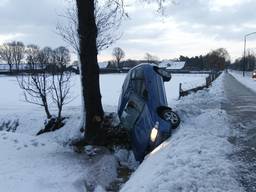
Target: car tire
(172,117)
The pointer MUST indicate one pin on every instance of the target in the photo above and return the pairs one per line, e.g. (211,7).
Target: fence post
(180,90)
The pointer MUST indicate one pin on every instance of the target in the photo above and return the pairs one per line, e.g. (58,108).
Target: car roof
(143,65)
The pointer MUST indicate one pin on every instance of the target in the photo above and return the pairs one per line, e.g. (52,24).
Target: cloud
(10,37)
(35,20)
(221,19)
(188,27)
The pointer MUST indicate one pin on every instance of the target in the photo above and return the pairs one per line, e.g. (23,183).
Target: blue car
(143,108)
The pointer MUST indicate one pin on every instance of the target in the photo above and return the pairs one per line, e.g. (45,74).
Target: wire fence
(191,87)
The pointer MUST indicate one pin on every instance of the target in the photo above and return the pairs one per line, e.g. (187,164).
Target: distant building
(169,64)
(6,67)
(103,65)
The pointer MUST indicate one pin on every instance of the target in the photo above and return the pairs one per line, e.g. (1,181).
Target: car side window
(138,82)
(131,112)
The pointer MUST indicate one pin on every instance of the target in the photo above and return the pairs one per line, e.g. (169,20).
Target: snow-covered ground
(245,80)
(30,164)
(195,158)
(46,163)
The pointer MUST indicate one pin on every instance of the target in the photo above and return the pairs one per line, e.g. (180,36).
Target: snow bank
(195,158)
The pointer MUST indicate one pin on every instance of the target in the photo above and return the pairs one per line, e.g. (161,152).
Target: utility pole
(244,61)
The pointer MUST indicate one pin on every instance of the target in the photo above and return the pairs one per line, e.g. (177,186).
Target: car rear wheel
(172,117)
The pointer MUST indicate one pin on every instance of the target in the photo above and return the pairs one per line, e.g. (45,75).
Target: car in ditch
(143,108)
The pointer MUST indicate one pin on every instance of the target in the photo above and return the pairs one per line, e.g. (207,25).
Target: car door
(132,111)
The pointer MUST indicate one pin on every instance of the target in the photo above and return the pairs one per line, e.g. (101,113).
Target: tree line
(21,58)
(215,60)
(245,63)
(118,62)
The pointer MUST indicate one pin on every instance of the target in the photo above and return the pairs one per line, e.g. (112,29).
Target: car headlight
(254,74)
(154,132)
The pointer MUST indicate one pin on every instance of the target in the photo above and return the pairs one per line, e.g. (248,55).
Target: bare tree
(60,89)
(36,84)
(151,58)
(18,52)
(87,33)
(217,59)
(250,60)
(118,55)
(6,55)
(47,80)
(89,70)
(12,53)
(108,20)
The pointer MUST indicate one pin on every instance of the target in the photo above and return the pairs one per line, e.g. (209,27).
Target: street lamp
(245,49)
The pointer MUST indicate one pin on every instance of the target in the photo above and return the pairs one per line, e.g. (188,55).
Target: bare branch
(60,89)
(108,19)
(118,55)
(36,84)
(12,53)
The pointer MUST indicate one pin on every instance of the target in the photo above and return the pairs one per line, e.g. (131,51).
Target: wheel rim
(170,116)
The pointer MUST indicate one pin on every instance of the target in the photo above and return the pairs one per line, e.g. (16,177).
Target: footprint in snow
(26,146)
(35,144)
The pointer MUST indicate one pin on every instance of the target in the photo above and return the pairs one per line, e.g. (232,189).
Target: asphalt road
(241,106)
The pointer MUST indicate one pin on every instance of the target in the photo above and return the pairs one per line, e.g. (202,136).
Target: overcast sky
(188,27)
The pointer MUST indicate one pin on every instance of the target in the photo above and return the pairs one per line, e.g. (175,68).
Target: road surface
(241,106)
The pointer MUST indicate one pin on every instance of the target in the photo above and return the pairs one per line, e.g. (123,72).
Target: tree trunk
(87,31)
(118,63)
(10,67)
(59,111)
(46,109)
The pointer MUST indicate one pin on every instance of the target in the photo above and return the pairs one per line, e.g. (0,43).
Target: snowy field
(193,159)
(111,84)
(245,80)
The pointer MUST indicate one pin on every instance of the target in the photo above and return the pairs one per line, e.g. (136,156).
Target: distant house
(169,64)
(103,65)
(6,67)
